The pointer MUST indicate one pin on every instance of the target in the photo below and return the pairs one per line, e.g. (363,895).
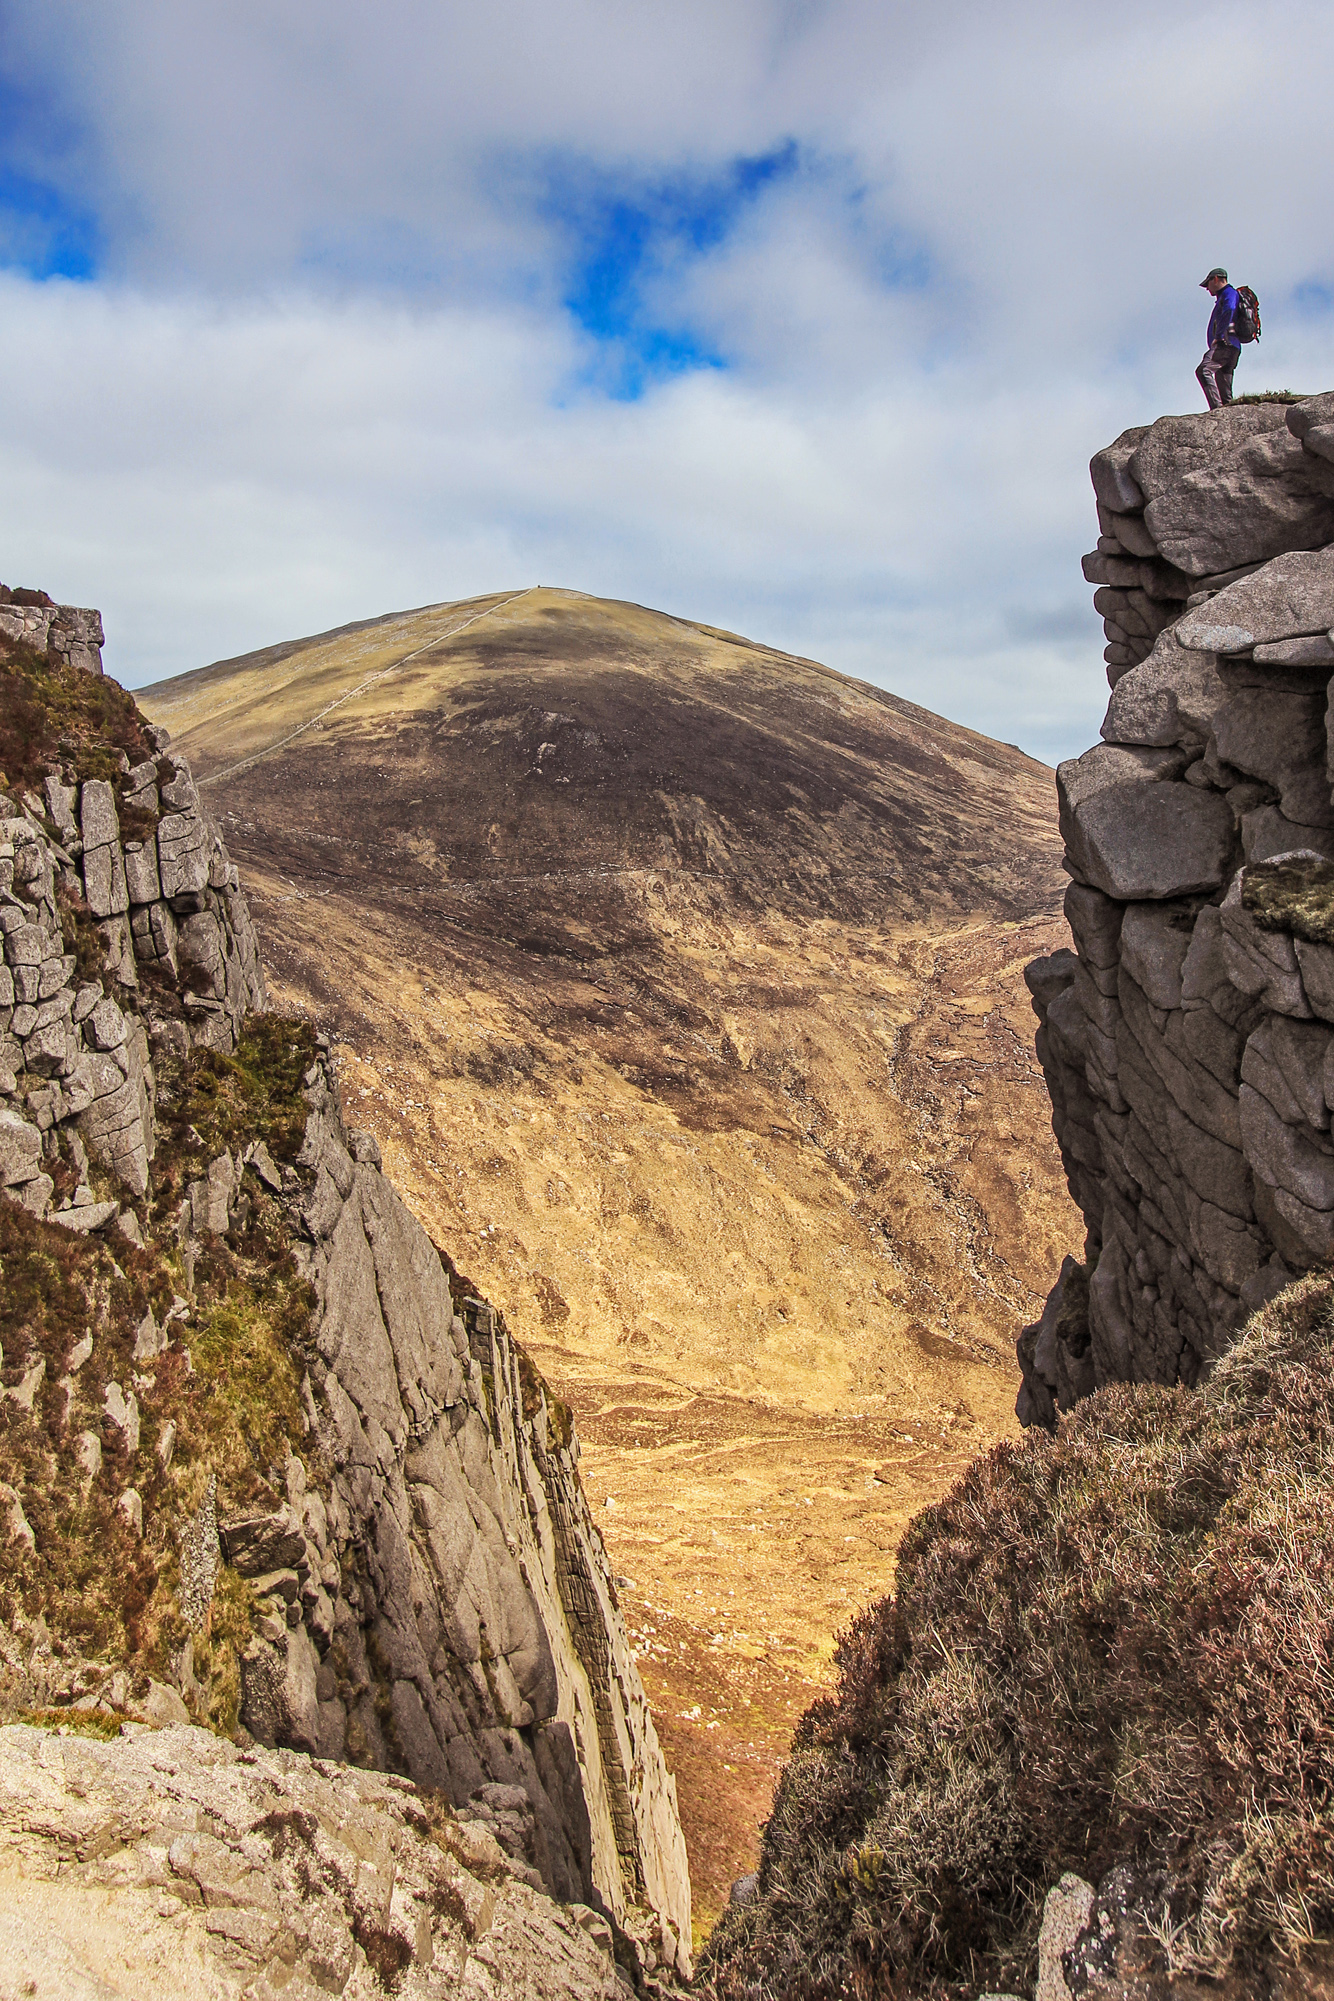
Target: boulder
(1230,487)
(183,1864)
(1155,939)
(1131,831)
(1170,698)
(1266,833)
(97,814)
(1114,483)
(1260,964)
(20,1149)
(1291,596)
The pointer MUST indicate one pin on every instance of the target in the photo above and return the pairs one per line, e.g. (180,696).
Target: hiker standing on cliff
(1214,373)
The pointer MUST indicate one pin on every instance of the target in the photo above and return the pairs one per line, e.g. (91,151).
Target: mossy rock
(1296,896)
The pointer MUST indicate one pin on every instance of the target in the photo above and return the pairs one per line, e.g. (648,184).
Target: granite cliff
(268,1463)
(1187,1039)
(1086,1748)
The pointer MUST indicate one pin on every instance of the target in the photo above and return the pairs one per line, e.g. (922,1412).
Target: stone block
(104,880)
(86,1218)
(20,1149)
(1316,965)
(179,792)
(60,800)
(1312,652)
(1133,832)
(1230,487)
(54,974)
(258,1544)
(1170,698)
(200,955)
(1279,738)
(1289,597)
(1284,1156)
(1114,483)
(141,872)
(182,847)
(1260,964)
(1265,833)
(104,1027)
(26,945)
(1284,1061)
(98,820)
(1155,939)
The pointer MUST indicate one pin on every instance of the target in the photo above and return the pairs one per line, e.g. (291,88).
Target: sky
(798,317)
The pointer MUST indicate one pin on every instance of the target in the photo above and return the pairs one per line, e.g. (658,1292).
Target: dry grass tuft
(1113,1645)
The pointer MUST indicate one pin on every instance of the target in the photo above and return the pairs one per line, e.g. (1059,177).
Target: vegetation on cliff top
(1111,1645)
(52,713)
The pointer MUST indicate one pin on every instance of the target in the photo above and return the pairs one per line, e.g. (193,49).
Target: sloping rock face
(176,1867)
(1185,1038)
(469,1633)
(422,1591)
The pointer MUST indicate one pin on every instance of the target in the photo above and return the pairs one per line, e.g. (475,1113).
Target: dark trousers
(1214,373)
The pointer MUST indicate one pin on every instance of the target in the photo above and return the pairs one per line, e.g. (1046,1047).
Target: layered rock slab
(473,1635)
(1184,1040)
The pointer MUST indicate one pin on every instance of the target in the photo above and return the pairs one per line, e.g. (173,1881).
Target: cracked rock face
(469,1632)
(1185,1040)
(174,1866)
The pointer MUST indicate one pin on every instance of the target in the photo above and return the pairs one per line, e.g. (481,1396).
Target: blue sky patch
(42,231)
(624,237)
(1312,299)
(43,234)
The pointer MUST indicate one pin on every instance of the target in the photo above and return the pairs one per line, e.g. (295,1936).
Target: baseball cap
(1207,280)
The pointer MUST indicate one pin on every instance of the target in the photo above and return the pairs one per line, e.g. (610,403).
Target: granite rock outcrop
(69,633)
(445,1605)
(164,907)
(423,1591)
(1185,1038)
(172,1864)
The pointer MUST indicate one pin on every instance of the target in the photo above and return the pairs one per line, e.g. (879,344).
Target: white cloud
(325,370)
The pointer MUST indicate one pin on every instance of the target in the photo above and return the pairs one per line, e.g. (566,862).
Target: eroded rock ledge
(1185,1040)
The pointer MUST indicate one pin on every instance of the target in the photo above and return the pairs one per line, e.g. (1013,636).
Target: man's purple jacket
(1220,319)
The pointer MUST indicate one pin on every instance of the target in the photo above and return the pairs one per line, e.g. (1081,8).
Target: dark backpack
(1246,319)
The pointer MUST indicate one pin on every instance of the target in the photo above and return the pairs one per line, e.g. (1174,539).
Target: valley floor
(885,1218)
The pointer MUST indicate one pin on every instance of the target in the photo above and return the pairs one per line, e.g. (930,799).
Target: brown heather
(1113,1645)
(52,712)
